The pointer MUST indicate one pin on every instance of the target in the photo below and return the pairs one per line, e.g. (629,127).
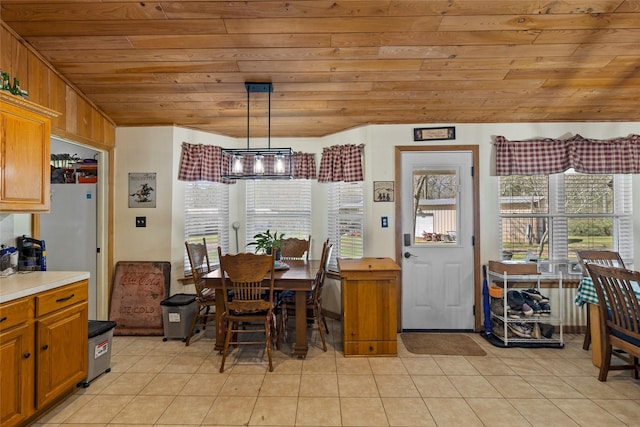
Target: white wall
(157,149)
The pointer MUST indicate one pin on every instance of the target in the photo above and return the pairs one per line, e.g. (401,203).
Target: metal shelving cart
(556,318)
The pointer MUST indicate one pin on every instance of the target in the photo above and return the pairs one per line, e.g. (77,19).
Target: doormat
(437,343)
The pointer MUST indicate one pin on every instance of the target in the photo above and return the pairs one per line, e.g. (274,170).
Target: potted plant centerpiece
(267,241)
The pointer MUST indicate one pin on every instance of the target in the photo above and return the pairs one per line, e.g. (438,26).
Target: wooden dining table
(298,277)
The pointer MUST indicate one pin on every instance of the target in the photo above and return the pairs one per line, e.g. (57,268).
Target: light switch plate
(384,222)
(141,221)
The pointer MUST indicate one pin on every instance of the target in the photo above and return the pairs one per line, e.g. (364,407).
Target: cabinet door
(370,309)
(24,160)
(62,350)
(17,370)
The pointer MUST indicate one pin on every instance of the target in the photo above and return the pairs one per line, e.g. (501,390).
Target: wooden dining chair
(205,296)
(619,311)
(250,299)
(294,248)
(600,257)
(287,302)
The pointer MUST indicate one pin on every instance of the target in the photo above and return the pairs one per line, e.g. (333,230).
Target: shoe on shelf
(545,310)
(536,295)
(532,303)
(546,330)
(526,310)
(536,334)
(523,330)
(498,329)
(497,308)
(515,299)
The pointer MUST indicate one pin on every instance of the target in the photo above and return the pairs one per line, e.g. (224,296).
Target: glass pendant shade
(258,164)
(237,164)
(279,166)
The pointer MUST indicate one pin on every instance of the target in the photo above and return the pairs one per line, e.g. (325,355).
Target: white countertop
(24,284)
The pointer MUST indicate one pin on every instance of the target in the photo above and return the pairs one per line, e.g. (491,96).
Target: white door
(437,240)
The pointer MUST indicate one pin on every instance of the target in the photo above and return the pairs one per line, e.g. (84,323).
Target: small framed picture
(142,190)
(383,191)
(433,134)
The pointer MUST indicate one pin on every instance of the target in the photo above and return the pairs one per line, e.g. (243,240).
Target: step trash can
(178,312)
(100,338)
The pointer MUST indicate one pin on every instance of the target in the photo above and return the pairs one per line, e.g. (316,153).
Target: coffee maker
(32,255)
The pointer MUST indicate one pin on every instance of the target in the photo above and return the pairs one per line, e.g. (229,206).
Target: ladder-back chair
(205,297)
(600,257)
(619,311)
(294,248)
(287,307)
(248,280)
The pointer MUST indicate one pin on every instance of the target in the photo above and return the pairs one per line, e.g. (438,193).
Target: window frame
(559,258)
(274,196)
(345,205)
(215,218)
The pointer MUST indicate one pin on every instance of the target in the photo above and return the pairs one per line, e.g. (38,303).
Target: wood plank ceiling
(337,65)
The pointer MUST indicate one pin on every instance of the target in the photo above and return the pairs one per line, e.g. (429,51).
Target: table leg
(219,331)
(596,351)
(300,349)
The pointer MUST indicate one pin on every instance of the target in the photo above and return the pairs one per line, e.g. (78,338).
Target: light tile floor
(156,383)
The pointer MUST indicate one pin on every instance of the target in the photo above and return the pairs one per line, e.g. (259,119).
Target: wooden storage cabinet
(369,306)
(17,361)
(43,350)
(62,352)
(24,155)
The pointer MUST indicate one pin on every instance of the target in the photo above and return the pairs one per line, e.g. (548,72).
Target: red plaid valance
(201,163)
(548,156)
(341,163)
(204,163)
(304,165)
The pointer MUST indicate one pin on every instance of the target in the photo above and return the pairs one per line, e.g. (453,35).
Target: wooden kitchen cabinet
(25,143)
(17,361)
(369,306)
(43,350)
(62,352)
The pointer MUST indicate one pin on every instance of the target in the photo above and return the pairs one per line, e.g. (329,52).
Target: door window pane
(435,206)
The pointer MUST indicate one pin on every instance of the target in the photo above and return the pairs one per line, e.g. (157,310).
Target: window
(346,220)
(277,205)
(206,214)
(435,206)
(551,217)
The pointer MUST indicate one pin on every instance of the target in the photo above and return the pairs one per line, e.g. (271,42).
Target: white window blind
(277,205)
(206,215)
(346,220)
(554,216)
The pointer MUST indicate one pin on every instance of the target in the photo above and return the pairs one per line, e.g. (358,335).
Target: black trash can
(100,338)
(178,312)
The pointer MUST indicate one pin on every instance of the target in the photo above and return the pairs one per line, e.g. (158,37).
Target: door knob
(409,255)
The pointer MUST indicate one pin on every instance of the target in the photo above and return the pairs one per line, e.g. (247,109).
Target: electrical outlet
(141,221)
(384,222)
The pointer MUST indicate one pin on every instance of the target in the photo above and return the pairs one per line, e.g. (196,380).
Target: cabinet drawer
(15,312)
(48,302)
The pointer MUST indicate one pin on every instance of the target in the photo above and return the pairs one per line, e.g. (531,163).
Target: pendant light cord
(269,124)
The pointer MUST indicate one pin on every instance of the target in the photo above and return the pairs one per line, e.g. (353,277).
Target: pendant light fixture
(257,163)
